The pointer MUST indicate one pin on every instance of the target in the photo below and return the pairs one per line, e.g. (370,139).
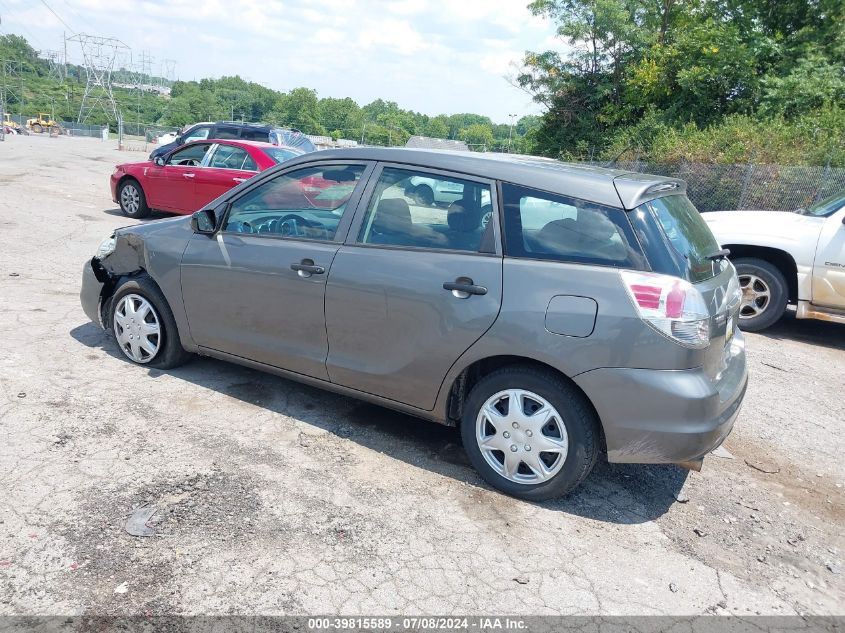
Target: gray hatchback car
(590,312)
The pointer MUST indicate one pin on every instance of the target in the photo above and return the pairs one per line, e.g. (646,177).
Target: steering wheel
(291,223)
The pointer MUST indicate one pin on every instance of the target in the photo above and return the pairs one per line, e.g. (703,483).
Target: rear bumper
(90,296)
(656,416)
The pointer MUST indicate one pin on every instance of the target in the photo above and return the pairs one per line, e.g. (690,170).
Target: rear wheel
(144,326)
(764,293)
(132,200)
(424,195)
(37,128)
(529,433)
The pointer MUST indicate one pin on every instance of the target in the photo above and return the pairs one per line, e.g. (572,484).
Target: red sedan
(192,175)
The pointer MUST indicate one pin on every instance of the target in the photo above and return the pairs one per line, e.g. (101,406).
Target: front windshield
(826,207)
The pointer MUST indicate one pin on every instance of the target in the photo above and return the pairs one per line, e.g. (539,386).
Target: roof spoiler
(635,189)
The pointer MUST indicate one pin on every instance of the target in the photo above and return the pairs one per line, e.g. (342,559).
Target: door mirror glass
(159,160)
(204,222)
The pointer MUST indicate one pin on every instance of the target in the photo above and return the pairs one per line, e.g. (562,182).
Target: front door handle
(189,175)
(306,268)
(239,179)
(463,287)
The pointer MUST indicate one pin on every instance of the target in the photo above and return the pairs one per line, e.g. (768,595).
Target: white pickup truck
(786,258)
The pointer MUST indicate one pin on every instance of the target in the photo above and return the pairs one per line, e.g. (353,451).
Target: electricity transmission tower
(11,83)
(168,71)
(55,64)
(99,55)
(142,69)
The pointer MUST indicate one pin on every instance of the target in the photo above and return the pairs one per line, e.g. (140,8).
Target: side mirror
(843,219)
(204,222)
(159,160)
(178,140)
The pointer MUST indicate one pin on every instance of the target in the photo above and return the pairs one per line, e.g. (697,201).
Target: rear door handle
(306,268)
(463,287)
(189,175)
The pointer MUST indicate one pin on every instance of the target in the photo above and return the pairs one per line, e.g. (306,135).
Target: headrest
(393,216)
(464,215)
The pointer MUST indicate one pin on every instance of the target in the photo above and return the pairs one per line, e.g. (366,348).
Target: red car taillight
(672,306)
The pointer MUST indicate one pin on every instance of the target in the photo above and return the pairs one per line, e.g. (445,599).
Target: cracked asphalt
(275,498)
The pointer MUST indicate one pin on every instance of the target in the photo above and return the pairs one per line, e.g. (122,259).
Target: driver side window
(190,156)
(307,203)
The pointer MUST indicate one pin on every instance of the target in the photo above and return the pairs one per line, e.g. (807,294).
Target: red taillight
(647,296)
(675,302)
(670,305)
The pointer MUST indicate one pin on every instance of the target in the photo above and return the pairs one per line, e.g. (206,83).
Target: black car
(237,130)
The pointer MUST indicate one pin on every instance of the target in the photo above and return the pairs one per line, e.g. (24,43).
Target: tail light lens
(670,305)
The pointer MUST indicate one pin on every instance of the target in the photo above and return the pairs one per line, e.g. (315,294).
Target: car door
(171,186)
(256,288)
(412,288)
(829,265)
(227,167)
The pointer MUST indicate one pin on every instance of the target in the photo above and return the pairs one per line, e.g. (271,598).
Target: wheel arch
(779,258)
(467,378)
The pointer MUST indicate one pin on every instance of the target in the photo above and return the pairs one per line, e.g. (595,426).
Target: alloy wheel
(756,296)
(522,436)
(137,328)
(130,198)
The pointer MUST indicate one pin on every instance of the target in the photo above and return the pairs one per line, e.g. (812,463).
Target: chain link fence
(715,187)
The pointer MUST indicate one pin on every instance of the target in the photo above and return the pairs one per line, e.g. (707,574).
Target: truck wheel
(529,433)
(424,195)
(764,293)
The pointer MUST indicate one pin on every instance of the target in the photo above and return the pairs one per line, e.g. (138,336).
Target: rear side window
(540,225)
(424,210)
(226,132)
(228,157)
(688,238)
(250,134)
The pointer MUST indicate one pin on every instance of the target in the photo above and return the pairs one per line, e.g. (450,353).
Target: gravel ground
(274,498)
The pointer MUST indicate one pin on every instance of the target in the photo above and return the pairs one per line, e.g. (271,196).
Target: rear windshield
(281,155)
(690,241)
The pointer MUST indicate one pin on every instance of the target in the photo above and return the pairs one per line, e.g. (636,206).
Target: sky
(432,56)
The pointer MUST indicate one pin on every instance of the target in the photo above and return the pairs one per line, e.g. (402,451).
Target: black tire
(143,210)
(37,128)
(582,428)
(170,352)
(771,311)
(424,195)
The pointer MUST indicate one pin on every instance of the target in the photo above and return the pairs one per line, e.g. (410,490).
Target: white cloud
(433,56)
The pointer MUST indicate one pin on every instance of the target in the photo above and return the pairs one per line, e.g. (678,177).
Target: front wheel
(529,433)
(764,293)
(424,195)
(132,200)
(144,326)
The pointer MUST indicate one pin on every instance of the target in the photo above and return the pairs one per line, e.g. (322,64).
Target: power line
(58,17)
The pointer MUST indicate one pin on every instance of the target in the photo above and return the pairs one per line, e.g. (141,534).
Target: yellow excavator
(43,123)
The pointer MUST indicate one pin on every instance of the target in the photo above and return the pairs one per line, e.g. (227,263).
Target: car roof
(595,184)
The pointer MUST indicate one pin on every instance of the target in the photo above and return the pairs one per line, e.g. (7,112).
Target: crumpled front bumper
(90,295)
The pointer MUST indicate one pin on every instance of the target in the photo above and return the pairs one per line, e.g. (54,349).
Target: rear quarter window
(541,225)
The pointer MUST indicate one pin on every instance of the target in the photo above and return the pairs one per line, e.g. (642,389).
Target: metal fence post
(820,188)
(746,182)
(119,131)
